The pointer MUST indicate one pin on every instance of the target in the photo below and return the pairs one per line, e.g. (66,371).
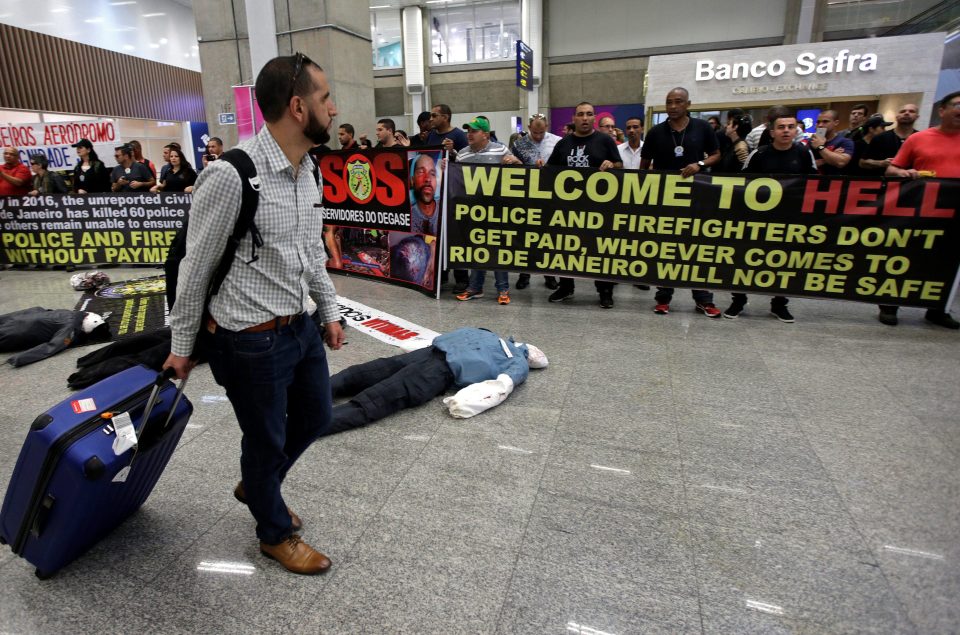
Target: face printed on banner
(424,179)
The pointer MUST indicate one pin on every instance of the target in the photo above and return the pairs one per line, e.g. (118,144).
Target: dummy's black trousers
(384,386)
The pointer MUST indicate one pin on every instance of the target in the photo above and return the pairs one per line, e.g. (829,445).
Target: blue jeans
(279,386)
(501,279)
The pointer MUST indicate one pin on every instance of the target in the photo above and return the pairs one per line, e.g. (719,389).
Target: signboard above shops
(797,73)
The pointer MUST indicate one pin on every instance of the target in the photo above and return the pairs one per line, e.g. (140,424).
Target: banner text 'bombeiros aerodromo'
(876,240)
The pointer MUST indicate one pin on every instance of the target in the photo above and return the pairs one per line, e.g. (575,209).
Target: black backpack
(250,199)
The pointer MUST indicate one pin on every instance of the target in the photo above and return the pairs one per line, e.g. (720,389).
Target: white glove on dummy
(90,322)
(475,398)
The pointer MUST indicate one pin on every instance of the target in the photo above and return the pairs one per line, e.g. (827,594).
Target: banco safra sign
(807,64)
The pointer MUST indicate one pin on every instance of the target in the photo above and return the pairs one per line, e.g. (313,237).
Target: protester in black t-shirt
(885,146)
(784,155)
(685,144)
(585,148)
(872,128)
(181,175)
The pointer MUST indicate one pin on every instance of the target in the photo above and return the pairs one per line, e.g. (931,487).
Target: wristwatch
(821,148)
(701,164)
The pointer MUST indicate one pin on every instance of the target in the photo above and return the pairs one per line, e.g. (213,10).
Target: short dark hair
(743,123)
(734,112)
(424,116)
(135,145)
(946,98)
(444,109)
(217,139)
(388,124)
(125,149)
(275,83)
(582,103)
(172,146)
(862,107)
(348,128)
(777,112)
(39,159)
(680,89)
(634,118)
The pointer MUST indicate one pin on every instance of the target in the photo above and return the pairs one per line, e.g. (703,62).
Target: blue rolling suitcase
(76,478)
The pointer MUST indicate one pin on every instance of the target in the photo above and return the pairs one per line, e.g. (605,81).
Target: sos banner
(382,214)
(63,229)
(870,240)
(55,140)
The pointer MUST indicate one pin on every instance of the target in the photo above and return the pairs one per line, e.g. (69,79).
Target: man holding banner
(585,148)
(688,145)
(15,177)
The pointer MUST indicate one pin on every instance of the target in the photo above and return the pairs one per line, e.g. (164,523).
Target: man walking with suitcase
(261,347)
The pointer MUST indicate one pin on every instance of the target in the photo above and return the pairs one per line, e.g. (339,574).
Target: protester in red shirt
(935,150)
(15,177)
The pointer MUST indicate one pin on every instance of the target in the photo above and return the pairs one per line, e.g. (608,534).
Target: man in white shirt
(630,149)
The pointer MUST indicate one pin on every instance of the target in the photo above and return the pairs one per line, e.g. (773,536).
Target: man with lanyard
(261,347)
(585,148)
(831,151)
(688,145)
(934,152)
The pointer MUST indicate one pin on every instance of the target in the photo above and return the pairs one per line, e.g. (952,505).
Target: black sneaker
(460,287)
(606,300)
(523,281)
(888,317)
(782,314)
(560,295)
(734,311)
(551,282)
(941,318)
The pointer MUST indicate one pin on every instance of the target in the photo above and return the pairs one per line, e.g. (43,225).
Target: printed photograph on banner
(413,258)
(425,177)
(381,212)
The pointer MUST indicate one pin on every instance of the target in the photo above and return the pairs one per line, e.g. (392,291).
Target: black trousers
(387,385)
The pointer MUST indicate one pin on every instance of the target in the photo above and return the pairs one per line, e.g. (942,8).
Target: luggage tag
(126,434)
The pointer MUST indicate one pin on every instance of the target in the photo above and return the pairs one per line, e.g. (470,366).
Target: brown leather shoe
(296,556)
(295,523)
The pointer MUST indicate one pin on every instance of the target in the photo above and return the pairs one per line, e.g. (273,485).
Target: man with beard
(425,210)
(885,145)
(261,347)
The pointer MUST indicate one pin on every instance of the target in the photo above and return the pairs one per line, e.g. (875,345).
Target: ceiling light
(60,10)
(153,15)
(163,40)
(97,20)
(435,1)
(122,29)
(381,6)
(129,47)
(154,45)
(120,4)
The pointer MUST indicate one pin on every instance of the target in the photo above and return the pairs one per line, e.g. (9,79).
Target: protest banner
(55,140)
(382,214)
(68,229)
(884,241)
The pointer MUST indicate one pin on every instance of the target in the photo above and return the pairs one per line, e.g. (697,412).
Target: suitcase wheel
(43,575)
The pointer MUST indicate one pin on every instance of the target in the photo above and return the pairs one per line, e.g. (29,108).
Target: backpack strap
(249,201)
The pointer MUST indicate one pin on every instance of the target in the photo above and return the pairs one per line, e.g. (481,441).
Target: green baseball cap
(477,124)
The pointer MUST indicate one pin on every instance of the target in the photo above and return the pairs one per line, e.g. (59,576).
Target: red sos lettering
(362,178)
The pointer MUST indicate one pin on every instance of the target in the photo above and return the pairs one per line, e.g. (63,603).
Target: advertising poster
(382,214)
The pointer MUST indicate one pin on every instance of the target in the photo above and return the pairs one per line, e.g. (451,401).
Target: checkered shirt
(291,263)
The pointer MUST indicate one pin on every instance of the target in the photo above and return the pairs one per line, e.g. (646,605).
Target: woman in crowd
(90,174)
(735,155)
(45,181)
(180,177)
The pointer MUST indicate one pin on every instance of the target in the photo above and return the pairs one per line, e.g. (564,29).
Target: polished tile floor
(666,474)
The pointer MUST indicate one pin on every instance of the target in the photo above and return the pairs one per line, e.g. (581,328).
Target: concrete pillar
(531,29)
(333,33)
(262,26)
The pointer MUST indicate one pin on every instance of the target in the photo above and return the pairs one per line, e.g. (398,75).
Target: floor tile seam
(853,520)
(526,526)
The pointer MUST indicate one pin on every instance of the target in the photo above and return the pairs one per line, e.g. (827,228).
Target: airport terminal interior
(663,474)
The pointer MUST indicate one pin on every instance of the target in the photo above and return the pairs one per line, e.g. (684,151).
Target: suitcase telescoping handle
(162,377)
